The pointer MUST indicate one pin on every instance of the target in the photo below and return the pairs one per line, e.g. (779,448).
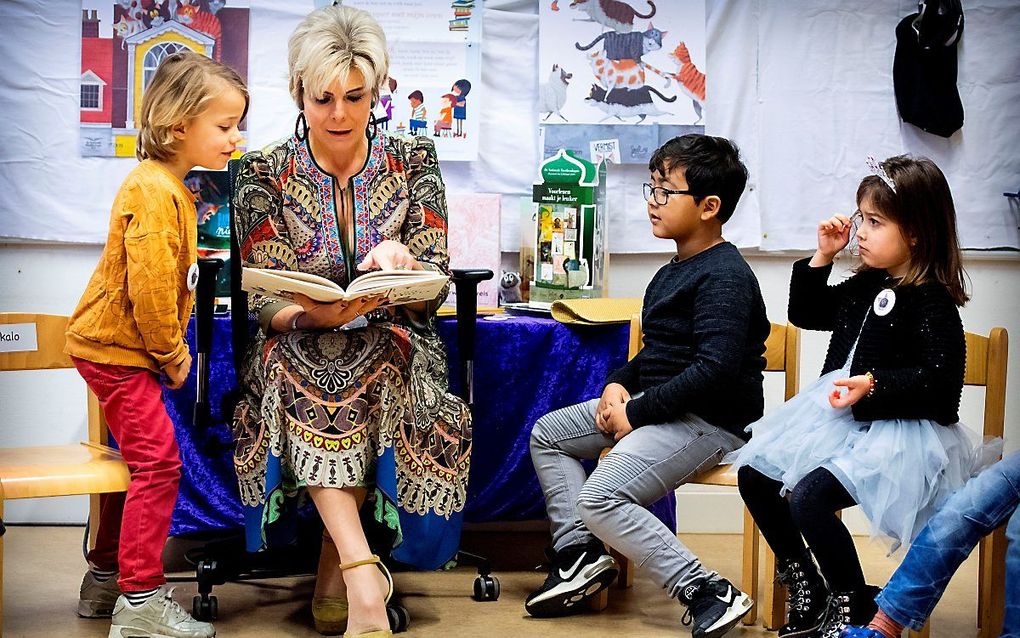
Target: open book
(398,286)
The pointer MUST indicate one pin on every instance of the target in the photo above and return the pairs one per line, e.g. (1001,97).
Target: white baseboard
(709,509)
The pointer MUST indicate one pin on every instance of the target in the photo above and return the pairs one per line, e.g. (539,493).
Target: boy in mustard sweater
(129,327)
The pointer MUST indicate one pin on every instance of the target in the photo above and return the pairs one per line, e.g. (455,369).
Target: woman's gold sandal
(378,633)
(329,614)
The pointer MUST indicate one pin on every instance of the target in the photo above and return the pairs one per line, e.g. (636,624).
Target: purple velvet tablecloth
(524,368)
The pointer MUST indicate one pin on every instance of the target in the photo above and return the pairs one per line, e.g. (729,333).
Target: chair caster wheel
(207,569)
(486,588)
(205,609)
(399,617)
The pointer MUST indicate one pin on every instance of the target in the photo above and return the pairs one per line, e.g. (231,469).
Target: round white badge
(192,276)
(884,302)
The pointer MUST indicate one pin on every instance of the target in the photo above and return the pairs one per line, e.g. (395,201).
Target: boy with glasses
(670,413)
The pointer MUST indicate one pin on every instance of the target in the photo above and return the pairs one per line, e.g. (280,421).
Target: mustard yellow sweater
(135,309)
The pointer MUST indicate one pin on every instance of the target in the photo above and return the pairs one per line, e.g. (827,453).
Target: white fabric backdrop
(805,88)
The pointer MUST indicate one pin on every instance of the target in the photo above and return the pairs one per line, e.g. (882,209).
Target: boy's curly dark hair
(711,166)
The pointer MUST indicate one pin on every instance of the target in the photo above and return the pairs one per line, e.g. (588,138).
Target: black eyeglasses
(853,245)
(661,194)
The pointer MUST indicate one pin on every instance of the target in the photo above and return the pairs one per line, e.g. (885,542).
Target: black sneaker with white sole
(576,573)
(713,607)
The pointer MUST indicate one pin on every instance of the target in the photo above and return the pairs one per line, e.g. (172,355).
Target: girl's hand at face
(833,236)
(390,255)
(856,389)
(323,316)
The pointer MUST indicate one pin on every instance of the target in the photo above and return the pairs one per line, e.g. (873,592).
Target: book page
(304,276)
(281,284)
(399,286)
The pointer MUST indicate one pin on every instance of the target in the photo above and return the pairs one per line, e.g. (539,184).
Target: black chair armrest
(205,307)
(466,283)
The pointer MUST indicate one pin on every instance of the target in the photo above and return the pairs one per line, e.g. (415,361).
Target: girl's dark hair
(463,85)
(711,166)
(922,207)
(416,95)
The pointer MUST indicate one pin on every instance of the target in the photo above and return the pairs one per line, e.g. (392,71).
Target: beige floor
(43,568)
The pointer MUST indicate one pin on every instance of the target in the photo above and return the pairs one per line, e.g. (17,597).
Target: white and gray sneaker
(96,599)
(576,573)
(158,617)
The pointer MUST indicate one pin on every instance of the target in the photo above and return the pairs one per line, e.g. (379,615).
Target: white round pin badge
(192,276)
(884,302)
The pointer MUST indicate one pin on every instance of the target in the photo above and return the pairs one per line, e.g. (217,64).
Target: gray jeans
(644,466)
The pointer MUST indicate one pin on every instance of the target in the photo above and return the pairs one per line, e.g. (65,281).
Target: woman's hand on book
(390,255)
(322,316)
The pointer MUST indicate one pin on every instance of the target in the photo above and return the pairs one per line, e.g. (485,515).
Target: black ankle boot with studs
(806,595)
(849,608)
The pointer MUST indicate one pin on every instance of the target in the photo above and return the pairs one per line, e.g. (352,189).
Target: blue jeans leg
(1011,624)
(978,508)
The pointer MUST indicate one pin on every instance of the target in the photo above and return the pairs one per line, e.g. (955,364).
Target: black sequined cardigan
(916,353)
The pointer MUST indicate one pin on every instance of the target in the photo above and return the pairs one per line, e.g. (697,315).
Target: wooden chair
(782,354)
(90,467)
(986,366)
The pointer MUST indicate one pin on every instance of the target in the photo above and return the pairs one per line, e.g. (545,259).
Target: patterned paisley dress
(321,407)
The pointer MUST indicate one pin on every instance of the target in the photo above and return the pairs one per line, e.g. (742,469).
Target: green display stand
(571,255)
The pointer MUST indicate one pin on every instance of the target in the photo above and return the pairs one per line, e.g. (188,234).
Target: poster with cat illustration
(622,61)
(122,43)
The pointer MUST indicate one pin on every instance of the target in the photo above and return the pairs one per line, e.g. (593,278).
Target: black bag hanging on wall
(924,68)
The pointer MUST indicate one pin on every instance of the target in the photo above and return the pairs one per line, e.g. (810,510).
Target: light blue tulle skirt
(900,471)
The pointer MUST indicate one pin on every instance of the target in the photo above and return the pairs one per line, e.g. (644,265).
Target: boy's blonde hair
(330,42)
(181,89)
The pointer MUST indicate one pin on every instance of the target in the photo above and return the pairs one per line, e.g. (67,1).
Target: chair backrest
(240,317)
(986,366)
(782,352)
(49,355)
(49,334)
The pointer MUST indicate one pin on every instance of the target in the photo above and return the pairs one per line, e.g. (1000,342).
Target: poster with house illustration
(122,43)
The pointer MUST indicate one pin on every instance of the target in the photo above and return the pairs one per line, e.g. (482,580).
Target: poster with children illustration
(435,71)
(122,43)
(622,61)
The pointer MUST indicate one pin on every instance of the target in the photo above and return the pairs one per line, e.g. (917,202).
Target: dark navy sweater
(704,327)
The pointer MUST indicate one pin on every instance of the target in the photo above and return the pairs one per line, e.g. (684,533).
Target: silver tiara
(879,172)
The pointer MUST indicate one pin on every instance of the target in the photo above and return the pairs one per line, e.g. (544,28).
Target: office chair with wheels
(486,586)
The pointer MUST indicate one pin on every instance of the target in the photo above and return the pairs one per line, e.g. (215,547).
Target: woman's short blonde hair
(181,89)
(328,44)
